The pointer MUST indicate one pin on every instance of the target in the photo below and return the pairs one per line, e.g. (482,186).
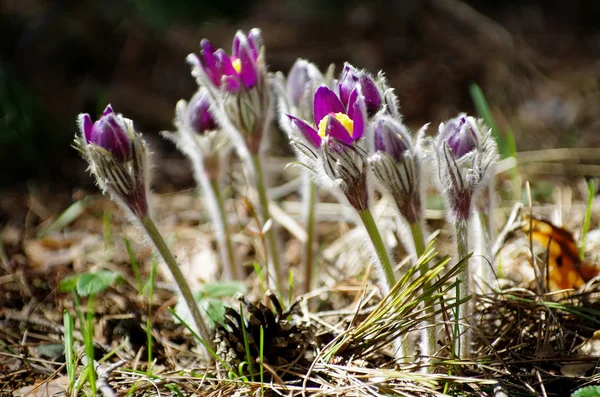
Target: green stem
(180,280)
(263,201)
(310,198)
(462,245)
(380,250)
(232,270)
(428,343)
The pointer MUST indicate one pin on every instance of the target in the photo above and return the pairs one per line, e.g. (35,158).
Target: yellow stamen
(342,118)
(237,65)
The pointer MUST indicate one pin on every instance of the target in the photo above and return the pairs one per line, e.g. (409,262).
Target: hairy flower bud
(108,132)
(351,79)
(200,118)
(116,155)
(397,166)
(466,155)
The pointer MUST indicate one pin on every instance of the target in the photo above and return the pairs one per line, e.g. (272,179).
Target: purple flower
(351,79)
(333,119)
(391,138)
(235,72)
(460,134)
(200,119)
(109,132)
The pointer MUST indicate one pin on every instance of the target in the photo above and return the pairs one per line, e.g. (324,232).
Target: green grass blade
(66,218)
(134,264)
(69,342)
(587,219)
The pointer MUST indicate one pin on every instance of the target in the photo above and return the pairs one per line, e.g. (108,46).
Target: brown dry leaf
(565,268)
(58,249)
(57,386)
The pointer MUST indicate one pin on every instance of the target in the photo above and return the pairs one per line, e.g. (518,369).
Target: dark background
(538,62)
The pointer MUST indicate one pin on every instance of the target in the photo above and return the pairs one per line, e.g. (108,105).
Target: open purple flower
(109,132)
(333,119)
(352,78)
(236,72)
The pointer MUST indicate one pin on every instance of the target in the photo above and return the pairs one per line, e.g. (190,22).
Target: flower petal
(309,132)
(326,102)
(256,41)
(336,130)
(224,65)
(108,110)
(208,61)
(348,82)
(358,114)
(248,72)
(86,124)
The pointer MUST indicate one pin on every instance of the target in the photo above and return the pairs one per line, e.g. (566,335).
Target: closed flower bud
(353,79)
(109,132)
(116,155)
(300,80)
(466,155)
(391,137)
(200,119)
(396,165)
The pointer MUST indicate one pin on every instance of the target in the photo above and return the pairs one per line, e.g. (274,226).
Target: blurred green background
(538,63)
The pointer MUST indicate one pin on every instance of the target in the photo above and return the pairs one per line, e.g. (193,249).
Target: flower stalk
(386,267)
(310,201)
(182,285)
(274,269)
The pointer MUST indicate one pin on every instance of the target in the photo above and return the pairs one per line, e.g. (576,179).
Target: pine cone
(285,339)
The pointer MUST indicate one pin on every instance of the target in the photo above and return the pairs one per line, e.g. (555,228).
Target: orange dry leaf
(565,268)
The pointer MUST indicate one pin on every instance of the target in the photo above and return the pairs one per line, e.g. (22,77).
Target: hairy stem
(265,215)
(428,337)
(180,280)
(389,280)
(232,269)
(462,245)
(310,199)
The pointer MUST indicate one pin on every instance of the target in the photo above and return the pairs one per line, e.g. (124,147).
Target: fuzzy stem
(180,280)
(230,265)
(462,245)
(310,199)
(428,343)
(272,252)
(384,261)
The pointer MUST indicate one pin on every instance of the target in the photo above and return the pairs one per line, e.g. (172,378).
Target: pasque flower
(116,154)
(352,78)
(335,145)
(397,166)
(238,88)
(465,155)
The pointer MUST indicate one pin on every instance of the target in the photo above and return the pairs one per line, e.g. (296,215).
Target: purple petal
(224,64)
(256,41)
(239,36)
(86,124)
(248,72)
(232,83)
(352,98)
(208,61)
(348,82)
(371,93)
(309,132)
(207,46)
(359,118)
(336,130)
(326,102)
(108,110)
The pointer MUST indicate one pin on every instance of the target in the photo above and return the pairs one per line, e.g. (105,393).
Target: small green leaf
(223,289)
(590,391)
(94,283)
(68,284)
(51,350)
